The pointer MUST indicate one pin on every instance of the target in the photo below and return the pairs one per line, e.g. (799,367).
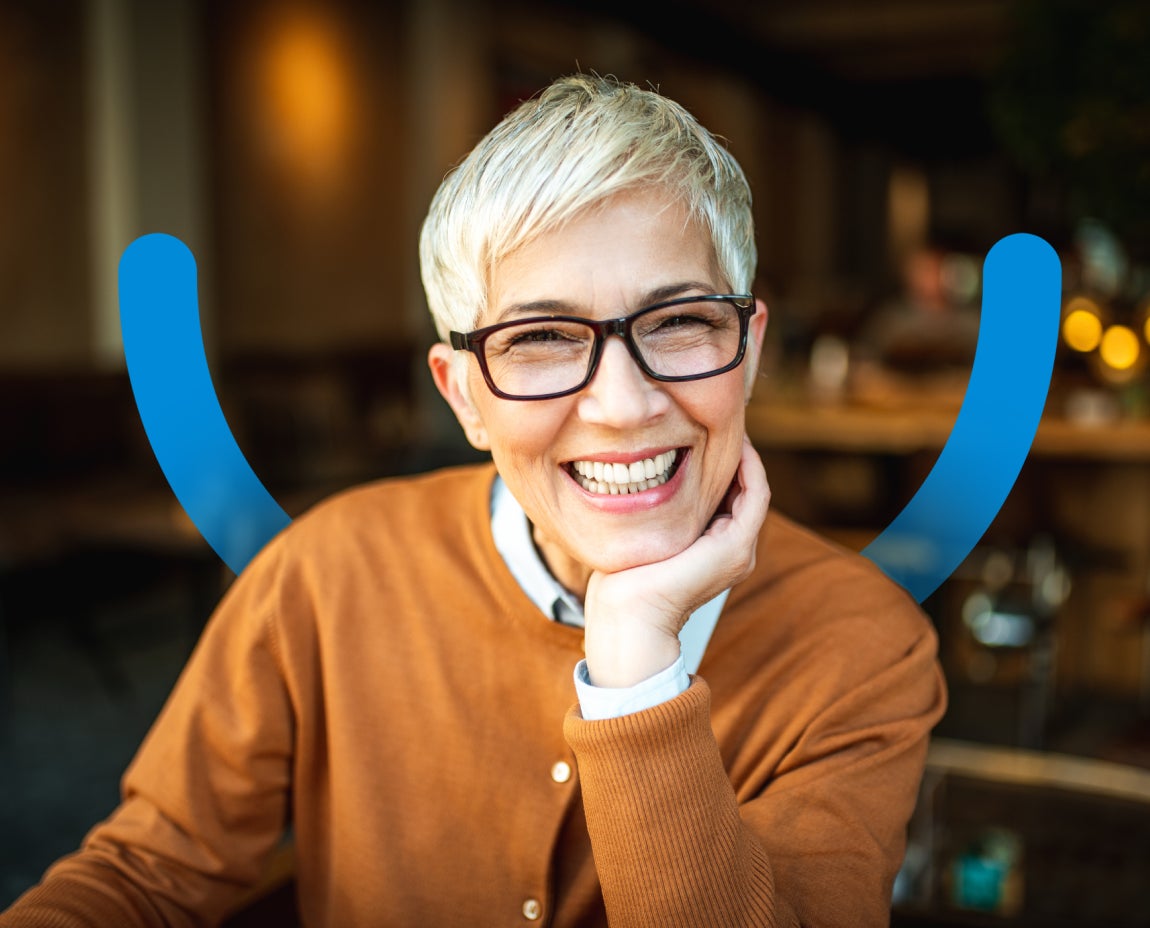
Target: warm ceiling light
(1119,347)
(307,91)
(1082,330)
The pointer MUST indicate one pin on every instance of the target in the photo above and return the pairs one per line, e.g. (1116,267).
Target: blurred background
(295,146)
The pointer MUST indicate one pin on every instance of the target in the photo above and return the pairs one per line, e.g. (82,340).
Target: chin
(611,556)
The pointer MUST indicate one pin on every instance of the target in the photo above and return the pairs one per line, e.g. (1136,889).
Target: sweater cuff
(655,730)
(602,702)
(669,843)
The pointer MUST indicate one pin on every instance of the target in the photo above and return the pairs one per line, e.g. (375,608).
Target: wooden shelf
(847,428)
(1039,769)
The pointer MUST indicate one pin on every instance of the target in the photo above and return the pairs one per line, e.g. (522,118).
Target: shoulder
(816,571)
(438,502)
(817,626)
(446,489)
(367,524)
(817,596)
(334,566)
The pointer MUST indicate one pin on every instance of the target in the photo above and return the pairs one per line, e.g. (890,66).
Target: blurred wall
(44,237)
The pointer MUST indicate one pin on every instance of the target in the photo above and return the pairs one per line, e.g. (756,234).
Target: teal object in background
(1018,334)
(987,876)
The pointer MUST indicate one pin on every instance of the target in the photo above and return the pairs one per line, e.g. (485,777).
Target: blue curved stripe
(924,544)
(1013,362)
(164,347)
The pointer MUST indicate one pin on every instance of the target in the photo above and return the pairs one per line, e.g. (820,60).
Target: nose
(620,395)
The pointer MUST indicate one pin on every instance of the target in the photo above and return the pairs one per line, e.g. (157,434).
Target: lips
(621,479)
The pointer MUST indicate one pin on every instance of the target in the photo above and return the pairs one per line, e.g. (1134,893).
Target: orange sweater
(378,677)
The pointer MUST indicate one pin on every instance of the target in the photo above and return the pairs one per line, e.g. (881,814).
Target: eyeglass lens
(550,356)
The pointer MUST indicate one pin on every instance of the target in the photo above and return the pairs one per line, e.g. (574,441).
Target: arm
(817,843)
(633,618)
(204,801)
(815,834)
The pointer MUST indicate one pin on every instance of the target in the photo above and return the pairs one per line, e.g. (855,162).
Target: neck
(569,572)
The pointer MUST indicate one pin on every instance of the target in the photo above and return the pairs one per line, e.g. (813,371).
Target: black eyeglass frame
(475,341)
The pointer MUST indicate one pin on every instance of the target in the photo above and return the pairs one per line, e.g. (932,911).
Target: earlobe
(757,328)
(445,373)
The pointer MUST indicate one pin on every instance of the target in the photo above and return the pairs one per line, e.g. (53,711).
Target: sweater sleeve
(818,844)
(203,802)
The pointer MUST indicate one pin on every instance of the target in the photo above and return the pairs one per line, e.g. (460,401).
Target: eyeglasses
(544,357)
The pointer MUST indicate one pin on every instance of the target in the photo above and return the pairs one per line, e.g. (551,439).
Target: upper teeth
(601,477)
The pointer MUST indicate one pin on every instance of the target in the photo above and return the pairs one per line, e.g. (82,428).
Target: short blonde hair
(581,140)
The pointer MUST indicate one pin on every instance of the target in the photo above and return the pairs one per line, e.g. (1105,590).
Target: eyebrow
(564,308)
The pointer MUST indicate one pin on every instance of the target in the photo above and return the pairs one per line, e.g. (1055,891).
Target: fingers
(730,542)
(755,497)
(749,495)
(724,555)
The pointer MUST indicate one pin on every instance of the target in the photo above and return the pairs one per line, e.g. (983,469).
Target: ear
(446,374)
(756,330)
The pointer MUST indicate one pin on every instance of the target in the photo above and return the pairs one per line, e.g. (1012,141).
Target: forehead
(605,259)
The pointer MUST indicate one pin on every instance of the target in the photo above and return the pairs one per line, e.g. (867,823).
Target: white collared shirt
(512,533)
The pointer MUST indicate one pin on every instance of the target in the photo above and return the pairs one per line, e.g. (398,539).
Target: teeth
(621,479)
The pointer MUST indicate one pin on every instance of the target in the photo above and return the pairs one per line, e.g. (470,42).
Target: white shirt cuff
(600,702)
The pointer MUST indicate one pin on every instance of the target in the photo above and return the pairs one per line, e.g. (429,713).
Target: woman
(393,674)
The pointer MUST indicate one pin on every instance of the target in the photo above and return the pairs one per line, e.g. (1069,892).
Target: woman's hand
(633,617)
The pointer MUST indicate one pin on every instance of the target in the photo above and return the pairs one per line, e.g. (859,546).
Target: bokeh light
(961,276)
(1119,348)
(1082,330)
(1082,324)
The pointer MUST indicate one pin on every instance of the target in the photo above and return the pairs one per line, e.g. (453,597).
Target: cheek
(522,436)
(722,414)
(719,409)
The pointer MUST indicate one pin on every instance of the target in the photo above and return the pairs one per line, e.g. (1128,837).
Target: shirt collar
(512,533)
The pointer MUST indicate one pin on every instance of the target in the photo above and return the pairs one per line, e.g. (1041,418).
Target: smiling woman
(614,255)
(469,691)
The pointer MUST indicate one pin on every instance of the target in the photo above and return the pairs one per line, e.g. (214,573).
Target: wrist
(620,657)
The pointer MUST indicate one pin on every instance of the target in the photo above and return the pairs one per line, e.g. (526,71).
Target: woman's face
(632,250)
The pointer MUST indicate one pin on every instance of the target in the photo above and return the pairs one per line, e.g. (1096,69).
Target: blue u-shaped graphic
(1018,333)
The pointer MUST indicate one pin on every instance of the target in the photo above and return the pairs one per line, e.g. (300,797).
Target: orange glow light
(1082,330)
(307,91)
(1119,347)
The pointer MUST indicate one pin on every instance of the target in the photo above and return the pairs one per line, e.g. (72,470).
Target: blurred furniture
(85,518)
(848,464)
(1080,830)
(924,427)
(87,521)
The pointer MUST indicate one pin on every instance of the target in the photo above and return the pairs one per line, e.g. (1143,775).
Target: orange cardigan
(377,678)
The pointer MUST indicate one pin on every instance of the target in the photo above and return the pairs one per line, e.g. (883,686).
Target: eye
(684,320)
(542,339)
(539,335)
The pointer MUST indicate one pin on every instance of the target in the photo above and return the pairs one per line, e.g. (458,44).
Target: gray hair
(580,141)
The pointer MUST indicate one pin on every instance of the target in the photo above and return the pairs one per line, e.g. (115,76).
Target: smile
(615,479)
